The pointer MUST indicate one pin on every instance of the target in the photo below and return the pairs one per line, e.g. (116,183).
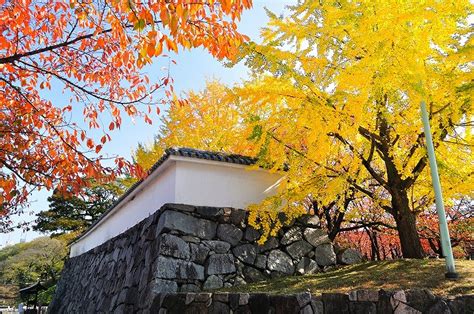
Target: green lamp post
(443,225)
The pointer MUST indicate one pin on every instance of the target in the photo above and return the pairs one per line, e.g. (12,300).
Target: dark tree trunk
(375,255)
(406,226)
(436,247)
(377,246)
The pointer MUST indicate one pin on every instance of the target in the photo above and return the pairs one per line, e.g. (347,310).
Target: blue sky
(190,72)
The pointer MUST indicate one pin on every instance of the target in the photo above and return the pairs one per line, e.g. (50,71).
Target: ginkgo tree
(94,51)
(213,119)
(210,119)
(335,95)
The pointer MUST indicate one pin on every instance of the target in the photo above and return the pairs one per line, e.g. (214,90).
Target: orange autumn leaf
(90,51)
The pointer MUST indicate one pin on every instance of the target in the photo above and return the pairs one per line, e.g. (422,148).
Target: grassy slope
(389,275)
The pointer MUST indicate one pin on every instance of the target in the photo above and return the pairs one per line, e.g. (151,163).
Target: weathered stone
(189,270)
(284,303)
(171,245)
(191,239)
(349,256)
(440,307)
(189,298)
(462,304)
(196,308)
(251,234)
(234,301)
(239,281)
(225,217)
(364,295)
(220,264)
(270,244)
(317,306)
(259,303)
(362,307)
(246,253)
(118,310)
(213,282)
(229,233)
(189,288)
(303,298)
(309,220)
(244,298)
(316,236)
(144,278)
(115,254)
(306,310)
(103,304)
(221,297)
(384,305)
(174,303)
(218,308)
(169,268)
(324,255)
(420,299)
(203,297)
(261,261)
(131,296)
(335,303)
(160,285)
(171,220)
(217,246)
(210,212)
(251,274)
(280,262)
(299,249)
(237,217)
(198,253)
(292,235)
(399,304)
(178,207)
(307,266)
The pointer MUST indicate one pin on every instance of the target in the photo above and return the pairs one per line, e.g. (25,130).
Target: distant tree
(26,263)
(70,213)
(460,223)
(210,119)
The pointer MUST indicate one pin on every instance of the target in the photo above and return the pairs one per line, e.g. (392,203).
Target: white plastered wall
(182,180)
(209,183)
(144,201)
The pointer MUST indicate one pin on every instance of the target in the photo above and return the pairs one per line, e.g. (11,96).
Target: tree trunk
(406,226)
(373,244)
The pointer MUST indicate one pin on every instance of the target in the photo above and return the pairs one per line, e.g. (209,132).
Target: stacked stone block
(183,248)
(414,301)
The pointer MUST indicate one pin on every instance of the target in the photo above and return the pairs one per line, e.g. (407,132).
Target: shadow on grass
(390,275)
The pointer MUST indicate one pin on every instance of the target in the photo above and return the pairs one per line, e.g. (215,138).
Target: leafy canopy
(209,119)
(27,263)
(336,88)
(94,51)
(68,213)
(334,98)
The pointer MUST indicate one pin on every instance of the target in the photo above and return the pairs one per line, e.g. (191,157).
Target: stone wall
(357,302)
(184,248)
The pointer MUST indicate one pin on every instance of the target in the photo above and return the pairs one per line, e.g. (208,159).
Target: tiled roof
(183,152)
(203,154)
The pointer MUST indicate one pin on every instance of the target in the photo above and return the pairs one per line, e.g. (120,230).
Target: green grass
(389,275)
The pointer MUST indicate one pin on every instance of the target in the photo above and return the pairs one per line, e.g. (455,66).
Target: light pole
(443,225)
